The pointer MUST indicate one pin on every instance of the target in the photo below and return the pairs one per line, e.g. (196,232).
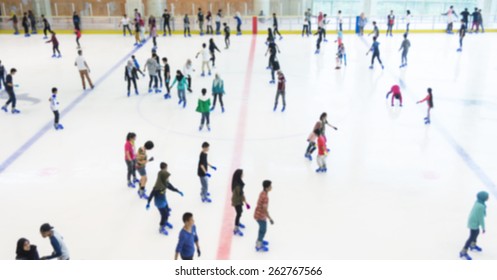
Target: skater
(200,20)
(182,85)
(312,139)
(480,21)
(390,23)
(339,21)
(465,17)
(25,251)
(408,20)
(320,39)
(130,159)
(429,101)
(322,123)
(238,199)
(324,22)
(78,36)
(159,70)
(261,214)
(138,41)
(376,53)
(226,35)
(9,88)
(208,17)
(188,239)
(275,67)
(280,91)
(84,69)
(55,45)
(219,16)
(375,31)
(306,29)
(475,222)
(203,173)
(141,163)
(25,25)
(76,20)
(186,23)
(166,18)
(54,105)
(159,195)
(167,77)
(218,92)
(188,71)
(15,23)
(32,20)
(450,19)
(212,50)
(205,59)
(341,56)
(125,24)
(272,49)
(153,34)
(462,33)
(404,47)
(46,26)
(396,94)
(270,36)
(322,152)
(204,108)
(238,18)
(60,249)
(362,23)
(153,68)
(130,76)
(137,65)
(474,25)
(2,75)
(275,26)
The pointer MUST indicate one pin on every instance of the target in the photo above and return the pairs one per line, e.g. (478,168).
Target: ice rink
(395,188)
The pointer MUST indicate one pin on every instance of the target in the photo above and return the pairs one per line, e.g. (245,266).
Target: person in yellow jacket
(204,107)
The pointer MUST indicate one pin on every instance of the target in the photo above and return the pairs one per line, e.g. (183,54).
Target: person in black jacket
(212,50)
(166,18)
(32,20)
(26,251)
(76,21)
(130,75)
(25,24)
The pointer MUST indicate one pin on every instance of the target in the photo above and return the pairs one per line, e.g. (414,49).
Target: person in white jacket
(188,71)
(54,105)
(205,59)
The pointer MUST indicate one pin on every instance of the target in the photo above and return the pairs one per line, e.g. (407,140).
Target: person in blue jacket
(188,239)
(475,222)
(238,18)
(159,195)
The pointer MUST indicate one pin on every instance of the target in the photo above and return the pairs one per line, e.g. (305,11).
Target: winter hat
(482,197)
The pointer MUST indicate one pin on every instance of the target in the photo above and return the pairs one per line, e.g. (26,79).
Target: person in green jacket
(203,107)
(218,91)
(475,221)
(182,85)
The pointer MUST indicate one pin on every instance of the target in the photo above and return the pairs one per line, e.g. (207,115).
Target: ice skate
(15,111)
(464,255)
(163,231)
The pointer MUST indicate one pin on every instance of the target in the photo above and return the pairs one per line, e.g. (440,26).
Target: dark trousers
(216,96)
(76,26)
(407,28)
(209,29)
(205,118)
(276,31)
(305,30)
(389,29)
(187,258)
(239,28)
(404,57)
(154,40)
(131,164)
(12,99)
(376,55)
(218,27)
(239,210)
(126,27)
(159,75)
(166,81)
(318,44)
(134,84)
(153,79)
(56,117)
(271,60)
(47,28)
(167,27)
(449,27)
(473,235)
(33,28)
(189,79)
(227,41)
(187,29)
(77,42)
(460,42)
(340,26)
(26,29)
(56,49)
(213,57)
(272,73)
(310,148)
(164,215)
(2,80)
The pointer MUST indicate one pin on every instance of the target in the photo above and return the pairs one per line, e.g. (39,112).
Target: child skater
(261,214)
(340,56)
(203,173)
(238,199)
(167,77)
(322,152)
(227,34)
(182,85)
(131,75)
(322,123)
(204,108)
(212,50)
(475,221)
(270,36)
(396,94)
(188,239)
(462,34)
(141,162)
(320,39)
(78,36)
(312,139)
(429,101)
(130,159)
(159,195)
(218,92)
(54,105)
(405,49)
(55,45)
(375,48)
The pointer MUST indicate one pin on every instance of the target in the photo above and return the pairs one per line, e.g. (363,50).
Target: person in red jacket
(55,45)
(322,152)
(396,94)
(429,101)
